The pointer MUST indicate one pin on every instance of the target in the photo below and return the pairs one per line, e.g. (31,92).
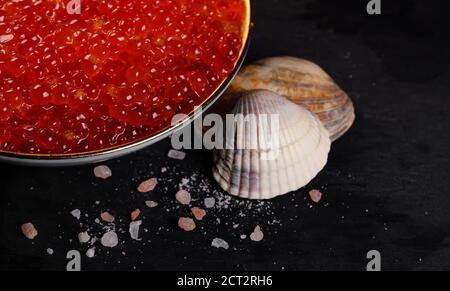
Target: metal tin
(58,160)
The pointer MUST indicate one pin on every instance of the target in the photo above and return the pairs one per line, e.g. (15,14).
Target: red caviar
(115,73)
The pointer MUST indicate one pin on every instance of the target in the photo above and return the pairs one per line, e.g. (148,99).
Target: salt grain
(90,253)
(210,202)
(151,204)
(107,217)
(183,197)
(76,213)
(135,214)
(110,239)
(102,172)
(243,236)
(315,195)
(177,155)
(147,185)
(186,223)
(29,230)
(134,229)
(220,243)
(83,237)
(50,251)
(198,213)
(257,235)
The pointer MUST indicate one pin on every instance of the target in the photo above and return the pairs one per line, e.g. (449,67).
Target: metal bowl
(56,160)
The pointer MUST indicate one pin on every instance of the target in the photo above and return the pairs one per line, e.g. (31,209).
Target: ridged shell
(301,81)
(301,141)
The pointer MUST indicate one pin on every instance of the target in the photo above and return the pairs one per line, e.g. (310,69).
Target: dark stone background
(386,184)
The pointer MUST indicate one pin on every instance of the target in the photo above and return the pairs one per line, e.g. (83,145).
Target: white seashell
(275,159)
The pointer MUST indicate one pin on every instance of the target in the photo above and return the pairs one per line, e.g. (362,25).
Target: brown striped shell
(301,81)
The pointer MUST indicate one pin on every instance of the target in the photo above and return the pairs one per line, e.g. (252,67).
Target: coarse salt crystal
(102,172)
(76,213)
(186,223)
(177,155)
(257,235)
(110,239)
(220,243)
(315,195)
(84,237)
(90,253)
(243,236)
(151,204)
(183,196)
(29,230)
(107,217)
(135,214)
(198,213)
(210,202)
(134,229)
(147,185)
(50,251)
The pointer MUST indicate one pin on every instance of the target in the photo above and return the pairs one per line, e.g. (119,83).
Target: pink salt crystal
(102,172)
(76,213)
(134,229)
(29,230)
(183,196)
(107,217)
(135,214)
(151,204)
(186,223)
(90,253)
(257,235)
(177,155)
(110,239)
(210,202)
(315,195)
(83,237)
(147,185)
(198,213)
(220,243)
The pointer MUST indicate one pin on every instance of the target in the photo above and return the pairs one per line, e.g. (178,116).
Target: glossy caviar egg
(116,73)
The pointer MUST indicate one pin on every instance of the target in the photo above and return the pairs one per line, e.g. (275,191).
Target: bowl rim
(136,145)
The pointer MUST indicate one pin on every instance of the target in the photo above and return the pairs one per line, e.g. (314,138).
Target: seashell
(301,81)
(281,149)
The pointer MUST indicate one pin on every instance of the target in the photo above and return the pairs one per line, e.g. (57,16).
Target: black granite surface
(386,186)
